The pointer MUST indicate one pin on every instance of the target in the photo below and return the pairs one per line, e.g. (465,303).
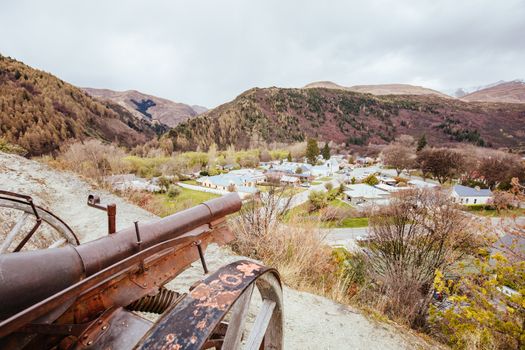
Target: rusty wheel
(26,225)
(237,307)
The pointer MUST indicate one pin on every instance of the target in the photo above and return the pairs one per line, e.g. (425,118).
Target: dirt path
(311,322)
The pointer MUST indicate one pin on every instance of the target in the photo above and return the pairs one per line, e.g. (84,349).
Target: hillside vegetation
(260,116)
(38,112)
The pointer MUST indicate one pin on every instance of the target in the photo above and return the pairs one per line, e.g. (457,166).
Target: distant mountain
(460,92)
(39,112)
(149,107)
(380,89)
(289,115)
(508,92)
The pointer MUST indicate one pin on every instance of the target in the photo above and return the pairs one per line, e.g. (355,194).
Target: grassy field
(326,178)
(350,222)
(492,213)
(347,223)
(191,182)
(287,193)
(186,199)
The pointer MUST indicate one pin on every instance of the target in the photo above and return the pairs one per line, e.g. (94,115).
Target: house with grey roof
(471,195)
(359,194)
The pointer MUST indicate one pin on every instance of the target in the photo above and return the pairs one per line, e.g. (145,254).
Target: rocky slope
(380,89)
(507,92)
(288,115)
(311,322)
(39,112)
(149,107)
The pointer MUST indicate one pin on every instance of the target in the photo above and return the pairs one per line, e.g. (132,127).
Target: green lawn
(347,223)
(191,182)
(287,193)
(350,222)
(492,213)
(326,178)
(186,199)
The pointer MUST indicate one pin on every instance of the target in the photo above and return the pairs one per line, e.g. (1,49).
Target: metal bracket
(94,202)
(201,256)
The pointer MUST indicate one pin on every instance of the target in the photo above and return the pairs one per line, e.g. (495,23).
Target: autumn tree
(442,163)
(312,151)
(265,156)
(289,157)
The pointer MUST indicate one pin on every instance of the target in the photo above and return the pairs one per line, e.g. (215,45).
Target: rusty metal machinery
(88,296)
(26,213)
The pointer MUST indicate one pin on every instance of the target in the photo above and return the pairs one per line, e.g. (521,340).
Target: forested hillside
(38,112)
(287,115)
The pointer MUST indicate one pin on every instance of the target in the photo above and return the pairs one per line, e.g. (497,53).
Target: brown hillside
(149,107)
(509,92)
(39,112)
(287,115)
(380,89)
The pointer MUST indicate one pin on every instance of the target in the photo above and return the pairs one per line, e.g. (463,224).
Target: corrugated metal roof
(464,191)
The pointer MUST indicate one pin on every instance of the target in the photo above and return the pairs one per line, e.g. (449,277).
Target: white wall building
(468,195)
(362,193)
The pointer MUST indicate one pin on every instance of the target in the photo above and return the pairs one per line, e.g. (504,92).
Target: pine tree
(422,142)
(326,151)
(289,158)
(312,151)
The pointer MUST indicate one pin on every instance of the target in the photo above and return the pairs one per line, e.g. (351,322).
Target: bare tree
(419,232)
(399,156)
(442,163)
(261,215)
(500,168)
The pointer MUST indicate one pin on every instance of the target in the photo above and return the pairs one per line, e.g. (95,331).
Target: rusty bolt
(104,327)
(99,321)
(90,342)
(85,336)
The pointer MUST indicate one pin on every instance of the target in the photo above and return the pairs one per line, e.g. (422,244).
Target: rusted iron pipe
(112,215)
(29,277)
(108,250)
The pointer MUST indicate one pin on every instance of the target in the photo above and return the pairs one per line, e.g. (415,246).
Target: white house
(226,181)
(468,195)
(421,184)
(257,175)
(363,193)
(389,188)
(290,179)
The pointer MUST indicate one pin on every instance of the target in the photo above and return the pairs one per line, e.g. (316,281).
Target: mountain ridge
(150,107)
(507,92)
(379,89)
(266,115)
(39,112)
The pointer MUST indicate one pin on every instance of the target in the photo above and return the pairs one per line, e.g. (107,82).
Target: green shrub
(7,147)
(173,191)
(318,200)
(371,180)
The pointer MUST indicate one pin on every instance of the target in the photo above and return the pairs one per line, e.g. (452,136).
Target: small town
(227,175)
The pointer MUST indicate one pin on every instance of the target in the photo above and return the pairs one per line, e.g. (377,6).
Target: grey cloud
(207,52)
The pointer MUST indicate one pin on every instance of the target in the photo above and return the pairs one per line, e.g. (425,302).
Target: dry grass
(299,254)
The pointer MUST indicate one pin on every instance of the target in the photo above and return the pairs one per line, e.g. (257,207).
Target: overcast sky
(208,52)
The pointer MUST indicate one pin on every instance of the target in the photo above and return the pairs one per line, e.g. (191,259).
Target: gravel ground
(311,322)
